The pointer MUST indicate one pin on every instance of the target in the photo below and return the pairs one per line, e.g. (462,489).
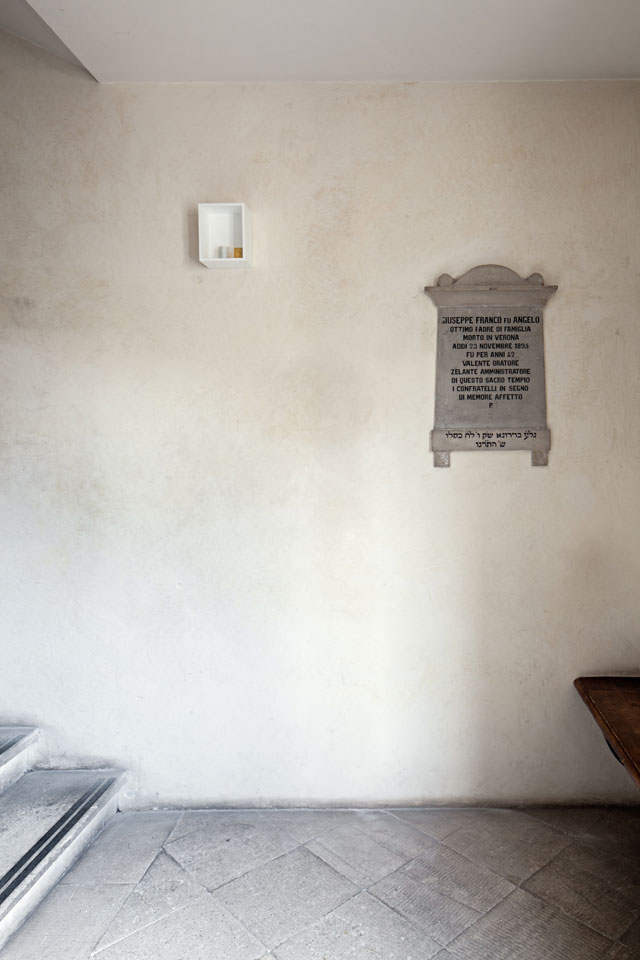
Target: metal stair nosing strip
(9,742)
(46,843)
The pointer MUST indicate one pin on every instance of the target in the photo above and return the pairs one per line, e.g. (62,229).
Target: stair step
(17,747)
(47,819)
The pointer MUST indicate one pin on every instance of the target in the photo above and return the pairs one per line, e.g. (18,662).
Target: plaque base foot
(442,458)
(539,458)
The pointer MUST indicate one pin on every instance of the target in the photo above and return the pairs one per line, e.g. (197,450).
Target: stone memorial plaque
(490,384)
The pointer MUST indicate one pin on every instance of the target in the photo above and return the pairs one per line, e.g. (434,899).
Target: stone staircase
(47,818)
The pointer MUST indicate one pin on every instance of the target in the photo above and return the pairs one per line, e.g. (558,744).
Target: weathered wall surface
(227,560)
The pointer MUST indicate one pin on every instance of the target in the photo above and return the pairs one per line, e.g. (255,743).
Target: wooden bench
(615,704)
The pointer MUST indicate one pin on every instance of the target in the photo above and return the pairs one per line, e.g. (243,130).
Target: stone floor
(410,884)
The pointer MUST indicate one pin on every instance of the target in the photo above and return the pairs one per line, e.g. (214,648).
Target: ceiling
(344,40)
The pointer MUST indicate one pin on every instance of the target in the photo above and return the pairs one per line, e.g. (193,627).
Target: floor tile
(435,822)
(67,924)
(191,820)
(303,825)
(509,842)
(362,927)
(572,820)
(307,825)
(219,849)
(525,928)
(620,952)
(621,825)
(394,834)
(124,850)
(204,930)
(278,900)
(442,892)
(356,855)
(631,937)
(164,888)
(594,883)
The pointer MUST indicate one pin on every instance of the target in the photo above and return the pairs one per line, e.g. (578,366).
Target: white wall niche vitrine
(224,233)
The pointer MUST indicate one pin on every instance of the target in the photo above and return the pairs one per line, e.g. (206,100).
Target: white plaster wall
(227,560)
